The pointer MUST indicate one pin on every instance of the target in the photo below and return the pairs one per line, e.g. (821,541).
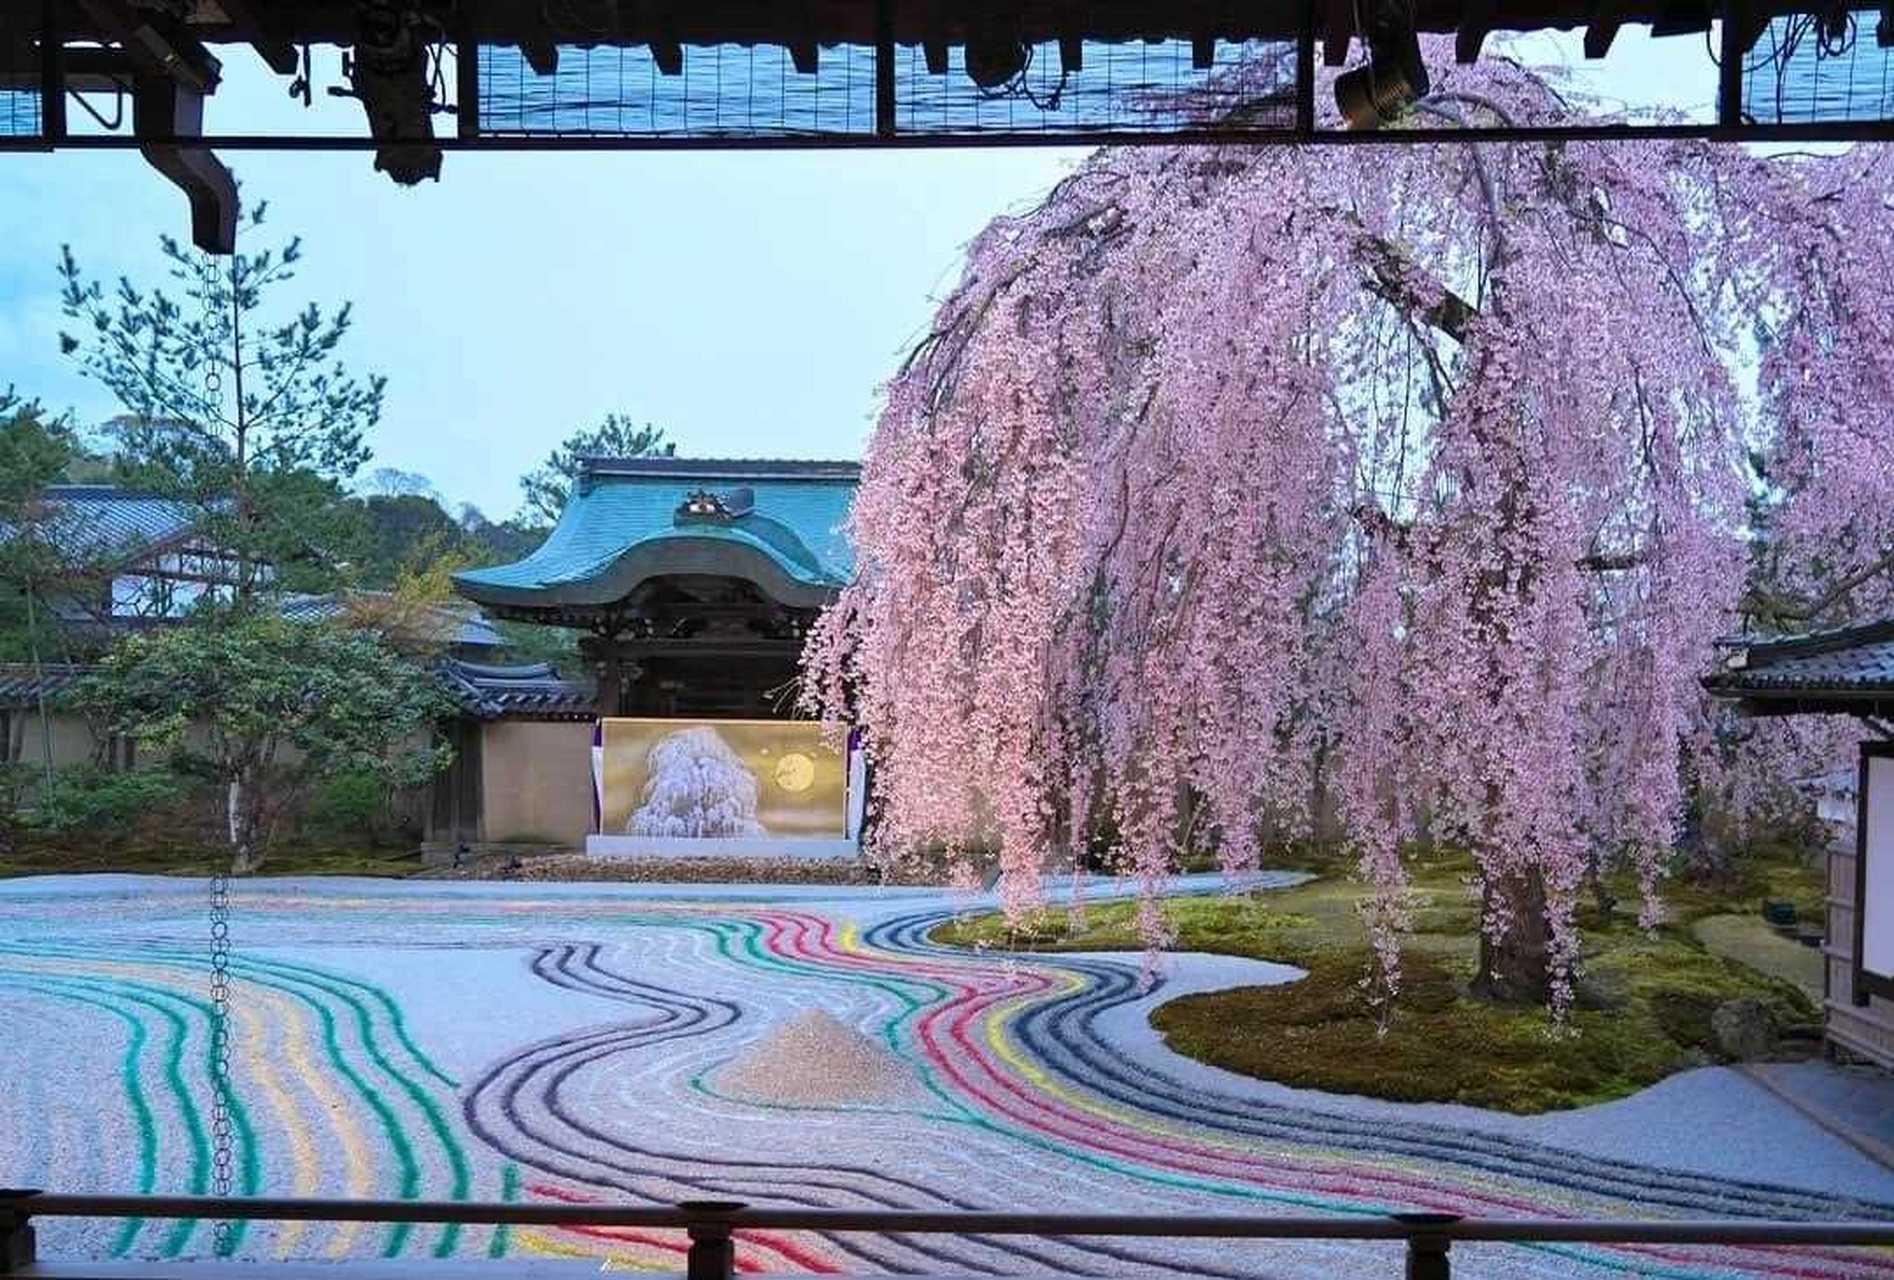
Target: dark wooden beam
(1337,32)
(805,52)
(1599,35)
(467,88)
(541,55)
(611,680)
(1305,69)
(1729,96)
(52,72)
(1203,52)
(782,22)
(267,36)
(884,68)
(1071,53)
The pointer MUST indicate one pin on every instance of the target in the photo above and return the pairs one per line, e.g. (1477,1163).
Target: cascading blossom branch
(1422,476)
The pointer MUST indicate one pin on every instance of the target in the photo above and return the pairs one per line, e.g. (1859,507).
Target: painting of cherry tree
(719,780)
(695,786)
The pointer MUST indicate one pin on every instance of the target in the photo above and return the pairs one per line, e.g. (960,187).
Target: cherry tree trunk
(1513,965)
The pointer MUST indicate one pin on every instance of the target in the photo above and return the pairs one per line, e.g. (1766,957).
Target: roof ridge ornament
(706,506)
(701,504)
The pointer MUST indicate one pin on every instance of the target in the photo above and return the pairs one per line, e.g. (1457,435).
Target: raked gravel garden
(802,1045)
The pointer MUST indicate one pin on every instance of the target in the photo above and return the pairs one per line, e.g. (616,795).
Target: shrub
(89,798)
(352,803)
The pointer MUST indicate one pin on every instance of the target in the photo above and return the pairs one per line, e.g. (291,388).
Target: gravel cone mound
(815,1060)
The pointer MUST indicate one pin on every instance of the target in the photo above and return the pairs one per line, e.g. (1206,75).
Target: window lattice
(757,91)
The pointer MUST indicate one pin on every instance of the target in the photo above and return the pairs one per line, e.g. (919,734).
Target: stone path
(1856,1103)
(569,1043)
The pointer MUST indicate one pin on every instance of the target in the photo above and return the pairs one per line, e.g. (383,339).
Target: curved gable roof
(625,523)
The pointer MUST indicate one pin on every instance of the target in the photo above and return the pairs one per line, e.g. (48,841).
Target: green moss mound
(1644,1006)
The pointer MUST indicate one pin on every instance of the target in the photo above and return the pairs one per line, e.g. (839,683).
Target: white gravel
(789,1044)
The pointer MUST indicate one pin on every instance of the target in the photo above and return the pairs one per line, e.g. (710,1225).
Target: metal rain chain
(222,1160)
(220,1118)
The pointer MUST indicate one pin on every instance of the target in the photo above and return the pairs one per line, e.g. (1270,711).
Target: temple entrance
(693,584)
(695,581)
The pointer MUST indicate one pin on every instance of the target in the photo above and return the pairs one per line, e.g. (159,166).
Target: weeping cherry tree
(1431,471)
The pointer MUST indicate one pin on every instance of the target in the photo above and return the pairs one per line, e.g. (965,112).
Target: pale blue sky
(749,302)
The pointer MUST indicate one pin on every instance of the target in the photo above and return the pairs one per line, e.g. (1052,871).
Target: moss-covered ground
(1644,1007)
(75,856)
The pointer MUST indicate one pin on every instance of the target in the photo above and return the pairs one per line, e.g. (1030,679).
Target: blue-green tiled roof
(624,523)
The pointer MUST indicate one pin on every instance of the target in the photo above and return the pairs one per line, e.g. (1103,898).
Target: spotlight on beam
(1392,79)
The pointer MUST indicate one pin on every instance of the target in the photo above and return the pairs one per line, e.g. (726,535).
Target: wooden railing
(710,1225)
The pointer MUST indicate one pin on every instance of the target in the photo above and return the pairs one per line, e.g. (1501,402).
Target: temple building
(693,582)
(132,560)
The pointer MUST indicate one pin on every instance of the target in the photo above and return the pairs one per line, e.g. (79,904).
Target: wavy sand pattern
(624,1044)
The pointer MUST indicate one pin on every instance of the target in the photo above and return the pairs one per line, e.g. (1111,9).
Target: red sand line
(789,934)
(795,1254)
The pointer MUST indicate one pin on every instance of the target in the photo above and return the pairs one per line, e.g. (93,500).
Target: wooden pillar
(1429,1247)
(611,676)
(17,1249)
(713,1249)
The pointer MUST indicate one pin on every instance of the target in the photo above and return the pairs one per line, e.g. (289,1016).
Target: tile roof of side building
(22,685)
(105,520)
(1849,669)
(531,691)
(779,521)
(482,691)
(454,623)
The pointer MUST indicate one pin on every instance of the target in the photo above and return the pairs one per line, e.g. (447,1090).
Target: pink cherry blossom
(1422,478)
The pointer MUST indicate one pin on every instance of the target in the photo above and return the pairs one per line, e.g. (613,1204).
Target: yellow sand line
(359,1181)
(260,1072)
(996,1022)
(625,1259)
(295,1045)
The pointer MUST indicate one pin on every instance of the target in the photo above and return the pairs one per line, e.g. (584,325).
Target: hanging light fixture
(388,73)
(995,54)
(1393,78)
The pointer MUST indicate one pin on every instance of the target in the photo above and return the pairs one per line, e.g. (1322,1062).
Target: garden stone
(1745,1028)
